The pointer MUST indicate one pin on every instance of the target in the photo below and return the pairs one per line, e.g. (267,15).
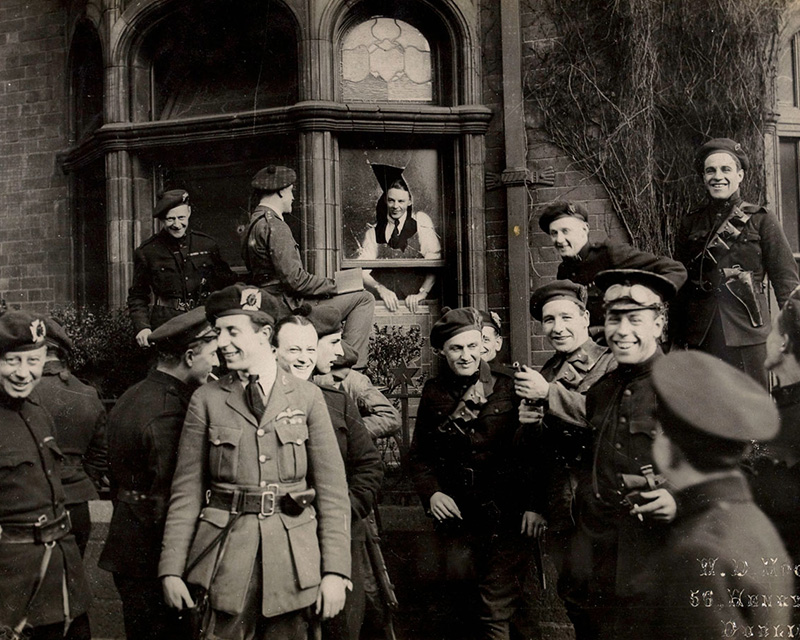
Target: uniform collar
(262,207)
(788,395)
(587,354)
(184,390)
(640,368)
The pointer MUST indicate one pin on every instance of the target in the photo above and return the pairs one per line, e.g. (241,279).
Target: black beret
(387,174)
(453,322)
(242,299)
(717,145)
(561,289)
(701,397)
(179,332)
(560,209)
(21,331)
(663,287)
(56,336)
(326,320)
(490,319)
(170,200)
(274,178)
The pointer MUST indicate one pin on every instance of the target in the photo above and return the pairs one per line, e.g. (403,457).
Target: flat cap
(702,397)
(170,200)
(273,178)
(490,319)
(453,322)
(56,336)
(179,332)
(326,320)
(388,174)
(21,331)
(561,209)
(632,289)
(242,299)
(557,290)
(720,145)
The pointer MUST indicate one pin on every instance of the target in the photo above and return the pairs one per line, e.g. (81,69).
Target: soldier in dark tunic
(722,571)
(464,465)
(567,224)
(80,421)
(729,246)
(144,429)
(173,270)
(42,584)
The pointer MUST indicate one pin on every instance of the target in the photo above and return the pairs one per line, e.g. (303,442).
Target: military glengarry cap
(170,200)
(56,336)
(561,209)
(21,331)
(453,322)
(387,174)
(634,289)
(490,319)
(273,178)
(181,331)
(720,145)
(557,290)
(326,320)
(242,299)
(710,409)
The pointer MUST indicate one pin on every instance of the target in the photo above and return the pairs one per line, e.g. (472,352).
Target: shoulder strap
(728,232)
(245,252)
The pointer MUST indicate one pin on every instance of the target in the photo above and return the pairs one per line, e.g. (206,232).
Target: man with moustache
(567,224)
(623,507)
(43,589)
(729,246)
(176,268)
(143,431)
(244,523)
(463,462)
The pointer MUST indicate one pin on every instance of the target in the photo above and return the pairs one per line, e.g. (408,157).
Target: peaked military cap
(242,299)
(720,145)
(170,200)
(179,332)
(632,289)
(56,336)
(453,322)
(561,209)
(21,331)
(273,178)
(557,290)
(325,320)
(490,319)
(387,174)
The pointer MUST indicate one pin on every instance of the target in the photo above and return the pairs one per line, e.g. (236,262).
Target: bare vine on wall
(630,88)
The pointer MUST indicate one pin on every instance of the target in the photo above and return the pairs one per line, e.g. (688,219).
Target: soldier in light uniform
(173,270)
(273,261)
(43,589)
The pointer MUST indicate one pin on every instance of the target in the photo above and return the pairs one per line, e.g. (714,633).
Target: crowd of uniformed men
(244,504)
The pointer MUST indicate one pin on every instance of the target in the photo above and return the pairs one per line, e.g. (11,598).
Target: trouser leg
(81,524)
(146,615)
(499,565)
(357,310)
(347,625)
(749,359)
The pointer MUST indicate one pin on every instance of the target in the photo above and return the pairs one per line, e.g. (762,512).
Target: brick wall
(34,221)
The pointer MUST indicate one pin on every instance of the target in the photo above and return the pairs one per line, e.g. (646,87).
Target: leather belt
(42,532)
(264,503)
(132,496)
(175,303)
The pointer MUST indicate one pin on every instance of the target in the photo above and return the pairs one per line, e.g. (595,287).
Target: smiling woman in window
(399,233)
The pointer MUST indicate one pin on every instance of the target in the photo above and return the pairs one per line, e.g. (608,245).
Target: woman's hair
(789,322)
(298,317)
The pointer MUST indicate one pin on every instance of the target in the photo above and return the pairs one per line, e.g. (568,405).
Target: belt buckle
(272,494)
(184,306)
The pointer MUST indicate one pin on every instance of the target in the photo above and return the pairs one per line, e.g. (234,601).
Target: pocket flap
(643,426)
(218,435)
(11,459)
(290,522)
(217,517)
(53,446)
(291,433)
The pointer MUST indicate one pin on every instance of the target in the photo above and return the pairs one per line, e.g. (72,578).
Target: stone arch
(86,74)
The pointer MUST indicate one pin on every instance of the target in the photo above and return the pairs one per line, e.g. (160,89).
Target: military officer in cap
(80,421)
(623,506)
(567,224)
(465,468)
(43,589)
(143,429)
(491,337)
(273,261)
(721,572)
(175,269)
(728,247)
(244,522)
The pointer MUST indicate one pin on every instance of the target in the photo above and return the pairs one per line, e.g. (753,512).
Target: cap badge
(251,300)
(38,331)
(495,317)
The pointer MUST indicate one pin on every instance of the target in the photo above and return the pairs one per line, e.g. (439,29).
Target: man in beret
(722,569)
(555,432)
(143,431)
(273,261)
(42,584)
(465,467)
(623,507)
(728,247)
(567,224)
(241,524)
(491,336)
(175,269)
(80,421)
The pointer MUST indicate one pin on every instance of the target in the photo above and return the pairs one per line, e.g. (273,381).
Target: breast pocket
(292,459)
(10,461)
(165,275)
(223,452)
